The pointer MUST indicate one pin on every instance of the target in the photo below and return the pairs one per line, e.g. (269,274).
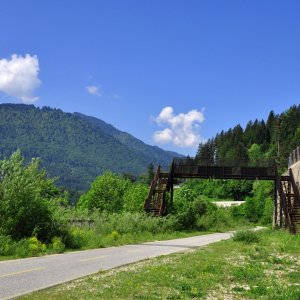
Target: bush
(57,245)
(134,197)
(259,208)
(106,193)
(27,200)
(132,223)
(216,220)
(246,236)
(22,248)
(7,246)
(187,213)
(34,246)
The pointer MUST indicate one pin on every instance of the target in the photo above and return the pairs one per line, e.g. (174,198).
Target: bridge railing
(192,162)
(190,168)
(294,156)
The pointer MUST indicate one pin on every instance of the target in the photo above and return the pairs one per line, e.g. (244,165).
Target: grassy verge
(260,265)
(87,239)
(118,229)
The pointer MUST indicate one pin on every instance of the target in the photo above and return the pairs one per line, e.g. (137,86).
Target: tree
(106,193)
(255,155)
(150,173)
(135,196)
(206,153)
(26,200)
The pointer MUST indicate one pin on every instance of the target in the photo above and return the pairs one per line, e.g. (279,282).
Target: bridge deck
(217,172)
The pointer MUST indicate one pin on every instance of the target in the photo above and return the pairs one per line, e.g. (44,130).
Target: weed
(246,236)
(57,245)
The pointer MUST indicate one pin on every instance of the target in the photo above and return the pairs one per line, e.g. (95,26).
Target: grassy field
(260,265)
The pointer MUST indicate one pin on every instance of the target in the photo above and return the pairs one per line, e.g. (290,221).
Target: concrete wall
(296,172)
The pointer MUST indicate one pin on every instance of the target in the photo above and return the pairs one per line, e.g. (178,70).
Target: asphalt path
(22,276)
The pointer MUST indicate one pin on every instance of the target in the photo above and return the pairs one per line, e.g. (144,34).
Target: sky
(171,73)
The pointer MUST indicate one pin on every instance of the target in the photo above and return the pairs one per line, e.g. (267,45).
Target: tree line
(260,142)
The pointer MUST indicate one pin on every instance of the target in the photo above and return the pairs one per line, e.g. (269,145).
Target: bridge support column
(275,212)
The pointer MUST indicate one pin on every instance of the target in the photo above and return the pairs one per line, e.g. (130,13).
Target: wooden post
(275,212)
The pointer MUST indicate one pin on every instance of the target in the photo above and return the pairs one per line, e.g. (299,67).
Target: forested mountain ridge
(260,141)
(151,152)
(74,147)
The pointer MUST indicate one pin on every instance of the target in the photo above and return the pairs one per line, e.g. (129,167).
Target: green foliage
(131,223)
(255,155)
(28,247)
(218,219)
(257,144)
(260,207)
(221,189)
(26,200)
(150,173)
(57,245)
(198,212)
(246,236)
(106,193)
(35,246)
(111,229)
(135,196)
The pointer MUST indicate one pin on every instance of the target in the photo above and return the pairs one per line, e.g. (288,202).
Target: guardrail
(294,156)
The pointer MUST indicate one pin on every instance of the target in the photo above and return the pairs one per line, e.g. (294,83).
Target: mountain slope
(149,153)
(74,147)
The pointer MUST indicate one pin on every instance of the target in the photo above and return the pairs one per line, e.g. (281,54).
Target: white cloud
(182,129)
(19,77)
(93,90)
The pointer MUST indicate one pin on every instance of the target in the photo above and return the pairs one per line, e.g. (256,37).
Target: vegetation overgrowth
(254,265)
(36,218)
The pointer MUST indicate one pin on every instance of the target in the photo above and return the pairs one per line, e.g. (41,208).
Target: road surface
(22,276)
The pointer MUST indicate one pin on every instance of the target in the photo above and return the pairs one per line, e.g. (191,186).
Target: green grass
(84,239)
(267,268)
(115,230)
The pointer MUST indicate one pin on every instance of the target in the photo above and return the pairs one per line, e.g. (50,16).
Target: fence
(294,156)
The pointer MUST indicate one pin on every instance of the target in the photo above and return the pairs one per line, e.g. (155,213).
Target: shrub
(7,245)
(246,236)
(114,235)
(127,222)
(219,219)
(187,213)
(134,197)
(34,245)
(106,193)
(57,245)
(26,200)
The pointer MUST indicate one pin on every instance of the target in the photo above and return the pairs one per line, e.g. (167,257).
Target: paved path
(21,276)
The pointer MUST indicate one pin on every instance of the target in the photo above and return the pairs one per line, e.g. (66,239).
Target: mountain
(150,153)
(74,147)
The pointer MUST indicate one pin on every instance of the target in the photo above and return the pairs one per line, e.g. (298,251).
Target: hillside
(74,147)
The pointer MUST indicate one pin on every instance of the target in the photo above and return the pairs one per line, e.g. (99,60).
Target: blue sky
(172,73)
